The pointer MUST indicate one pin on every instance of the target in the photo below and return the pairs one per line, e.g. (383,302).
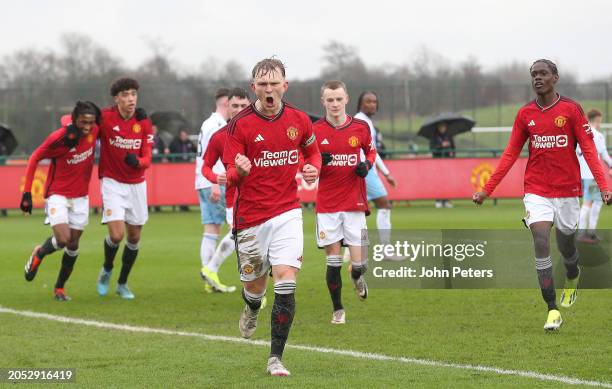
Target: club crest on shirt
(353,141)
(52,211)
(136,128)
(292,133)
(560,121)
(321,234)
(109,212)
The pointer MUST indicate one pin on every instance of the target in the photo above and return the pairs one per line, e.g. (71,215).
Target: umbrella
(456,124)
(8,142)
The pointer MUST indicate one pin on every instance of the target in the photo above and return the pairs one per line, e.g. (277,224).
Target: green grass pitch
(497,328)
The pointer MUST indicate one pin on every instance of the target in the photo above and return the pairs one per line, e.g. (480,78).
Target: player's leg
(286,255)
(333,278)
(78,217)
(585,210)
(115,201)
(329,236)
(71,252)
(566,217)
(377,193)
(128,258)
(56,209)
(223,250)
(251,248)
(212,226)
(539,219)
(594,219)
(595,210)
(283,312)
(356,237)
(136,215)
(211,271)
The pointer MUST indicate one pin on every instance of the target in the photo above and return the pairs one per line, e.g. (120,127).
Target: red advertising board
(173,183)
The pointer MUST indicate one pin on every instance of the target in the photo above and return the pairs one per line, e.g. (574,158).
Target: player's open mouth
(538,84)
(270,100)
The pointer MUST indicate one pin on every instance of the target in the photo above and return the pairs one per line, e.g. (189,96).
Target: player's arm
(212,154)
(513,150)
(148,139)
(584,136)
(603,151)
(234,156)
(50,148)
(312,155)
(143,160)
(371,155)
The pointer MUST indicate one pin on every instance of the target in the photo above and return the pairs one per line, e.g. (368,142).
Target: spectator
(442,146)
(182,145)
(159,147)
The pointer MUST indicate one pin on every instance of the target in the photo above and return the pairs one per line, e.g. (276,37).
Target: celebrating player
(553,125)
(211,195)
(262,155)
(126,136)
(591,205)
(341,196)
(238,100)
(71,150)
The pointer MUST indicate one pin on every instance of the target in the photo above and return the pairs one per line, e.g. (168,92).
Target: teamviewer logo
(549,141)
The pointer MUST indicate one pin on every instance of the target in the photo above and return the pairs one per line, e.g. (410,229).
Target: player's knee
(62,240)
(73,245)
(116,236)
(285,287)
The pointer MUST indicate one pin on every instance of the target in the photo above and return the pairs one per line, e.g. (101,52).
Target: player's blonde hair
(266,66)
(333,85)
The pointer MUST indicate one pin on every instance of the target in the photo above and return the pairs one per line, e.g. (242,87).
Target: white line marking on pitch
(323,350)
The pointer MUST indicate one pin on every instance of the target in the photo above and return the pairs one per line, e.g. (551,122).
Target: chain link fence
(34,112)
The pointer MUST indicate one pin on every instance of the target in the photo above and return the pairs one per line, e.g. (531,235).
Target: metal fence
(33,112)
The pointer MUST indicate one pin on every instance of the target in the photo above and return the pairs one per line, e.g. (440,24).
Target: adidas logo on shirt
(72,150)
(531,123)
(116,128)
(259,138)
(325,142)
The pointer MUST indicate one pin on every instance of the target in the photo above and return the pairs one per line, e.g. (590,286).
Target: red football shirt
(119,137)
(272,144)
(340,189)
(70,169)
(553,132)
(214,152)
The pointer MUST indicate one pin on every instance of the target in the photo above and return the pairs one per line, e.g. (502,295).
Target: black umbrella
(455,124)
(8,142)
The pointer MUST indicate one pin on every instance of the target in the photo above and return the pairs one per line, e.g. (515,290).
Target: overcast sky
(573,33)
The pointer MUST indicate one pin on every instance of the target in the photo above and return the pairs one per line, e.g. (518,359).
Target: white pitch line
(323,350)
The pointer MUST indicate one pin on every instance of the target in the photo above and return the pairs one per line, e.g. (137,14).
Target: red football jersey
(213,153)
(118,137)
(70,168)
(340,189)
(272,144)
(553,132)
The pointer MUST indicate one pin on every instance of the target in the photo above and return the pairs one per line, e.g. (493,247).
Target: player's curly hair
(362,96)
(551,65)
(268,65)
(123,84)
(86,108)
